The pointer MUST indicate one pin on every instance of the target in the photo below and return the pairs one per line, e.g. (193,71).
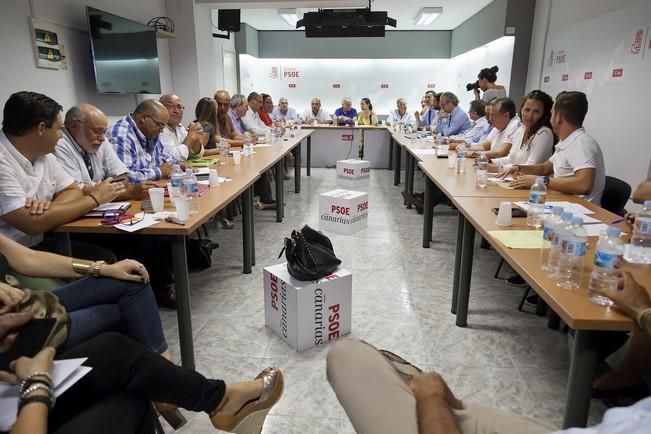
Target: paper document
(262,146)
(65,374)
(519,239)
(424,151)
(574,208)
(148,220)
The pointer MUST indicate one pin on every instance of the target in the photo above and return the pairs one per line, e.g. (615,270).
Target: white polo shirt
(580,151)
(20,179)
(497,137)
(173,145)
(105,161)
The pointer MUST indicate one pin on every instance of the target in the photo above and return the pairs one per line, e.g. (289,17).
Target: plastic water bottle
(299,125)
(191,190)
(246,147)
(334,120)
(575,244)
(556,249)
(640,249)
(482,170)
(176,178)
(536,211)
(461,158)
(549,227)
(607,259)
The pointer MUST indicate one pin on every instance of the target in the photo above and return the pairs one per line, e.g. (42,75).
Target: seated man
(316,113)
(479,114)
(283,112)
(452,120)
(430,117)
(179,142)
(505,124)
(135,139)
(31,177)
(225,129)
(236,113)
(251,119)
(577,165)
(87,156)
(400,115)
(346,113)
(384,394)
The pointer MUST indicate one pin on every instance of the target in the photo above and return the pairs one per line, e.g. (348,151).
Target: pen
(615,222)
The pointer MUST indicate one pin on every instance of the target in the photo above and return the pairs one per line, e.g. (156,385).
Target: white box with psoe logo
(353,173)
(343,211)
(306,314)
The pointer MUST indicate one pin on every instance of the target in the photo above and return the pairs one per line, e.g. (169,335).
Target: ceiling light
(427,16)
(289,15)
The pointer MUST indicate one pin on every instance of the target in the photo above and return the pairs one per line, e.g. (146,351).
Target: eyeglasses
(112,218)
(176,106)
(159,124)
(100,132)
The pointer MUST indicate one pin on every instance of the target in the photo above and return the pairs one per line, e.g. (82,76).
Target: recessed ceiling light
(427,16)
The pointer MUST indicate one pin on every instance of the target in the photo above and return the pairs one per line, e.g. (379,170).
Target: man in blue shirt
(430,117)
(451,118)
(346,113)
(283,112)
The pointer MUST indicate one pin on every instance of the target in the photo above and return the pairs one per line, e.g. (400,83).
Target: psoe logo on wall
(638,42)
(280,73)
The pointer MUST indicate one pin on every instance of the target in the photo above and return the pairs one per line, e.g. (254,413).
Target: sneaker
(406,370)
(516,280)
(532,300)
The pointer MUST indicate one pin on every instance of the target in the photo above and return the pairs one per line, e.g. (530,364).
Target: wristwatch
(545,180)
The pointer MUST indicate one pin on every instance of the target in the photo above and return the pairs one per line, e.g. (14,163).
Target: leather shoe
(165,297)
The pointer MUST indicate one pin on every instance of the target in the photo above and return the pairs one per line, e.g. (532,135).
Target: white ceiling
(258,14)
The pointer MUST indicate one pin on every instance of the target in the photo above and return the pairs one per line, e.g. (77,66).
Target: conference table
(588,319)
(241,179)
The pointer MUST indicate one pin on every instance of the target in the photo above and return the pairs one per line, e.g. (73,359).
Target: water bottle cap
(577,220)
(614,231)
(558,209)
(567,216)
(647,204)
(540,180)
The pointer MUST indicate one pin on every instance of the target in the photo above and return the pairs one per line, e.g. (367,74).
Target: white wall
(407,78)
(596,36)
(77,84)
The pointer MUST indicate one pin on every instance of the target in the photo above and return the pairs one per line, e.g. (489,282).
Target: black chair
(616,194)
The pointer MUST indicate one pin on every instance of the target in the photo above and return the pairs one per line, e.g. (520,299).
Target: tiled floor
(401,301)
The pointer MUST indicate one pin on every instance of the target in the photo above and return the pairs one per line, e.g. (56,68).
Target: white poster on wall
(383,81)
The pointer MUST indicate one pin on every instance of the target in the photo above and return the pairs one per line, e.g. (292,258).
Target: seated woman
(266,109)
(366,116)
(534,140)
(115,396)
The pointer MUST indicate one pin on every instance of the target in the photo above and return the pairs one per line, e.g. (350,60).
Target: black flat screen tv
(125,57)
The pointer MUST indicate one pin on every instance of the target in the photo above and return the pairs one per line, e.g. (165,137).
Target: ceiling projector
(345,23)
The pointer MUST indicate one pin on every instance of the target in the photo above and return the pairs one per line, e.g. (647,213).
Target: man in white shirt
(430,117)
(283,112)
(316,113)
(400,115)
(179,142)
(577,165)
(505,124)
(251,119)
(31,177)
(87,156)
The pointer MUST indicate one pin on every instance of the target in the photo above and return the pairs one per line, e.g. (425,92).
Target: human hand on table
(630,297)
(107,190)
(523,181)
(512,171)
(127,269)
(139,191)
(37,207)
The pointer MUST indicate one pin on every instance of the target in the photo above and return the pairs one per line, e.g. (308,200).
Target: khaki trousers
(378,401)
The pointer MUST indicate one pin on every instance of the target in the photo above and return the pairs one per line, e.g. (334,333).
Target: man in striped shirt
(136,142)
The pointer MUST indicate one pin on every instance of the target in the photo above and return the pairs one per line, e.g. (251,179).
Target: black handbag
(199,252)
(310,255)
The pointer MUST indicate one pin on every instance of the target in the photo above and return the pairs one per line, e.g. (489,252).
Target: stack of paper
(519,239)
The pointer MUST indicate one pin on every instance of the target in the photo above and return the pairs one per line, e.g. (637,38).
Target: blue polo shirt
(350,114)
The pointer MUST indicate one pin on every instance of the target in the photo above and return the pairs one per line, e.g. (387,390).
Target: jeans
(98,305)
(114,397)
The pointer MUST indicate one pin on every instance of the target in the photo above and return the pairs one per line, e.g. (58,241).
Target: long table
(214,200)
(575,309)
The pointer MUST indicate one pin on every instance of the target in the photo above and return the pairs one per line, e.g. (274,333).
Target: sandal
(251,416)
(226,224)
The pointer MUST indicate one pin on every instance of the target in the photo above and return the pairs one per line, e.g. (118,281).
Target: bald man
(83,150)
(135,139)
(180,142)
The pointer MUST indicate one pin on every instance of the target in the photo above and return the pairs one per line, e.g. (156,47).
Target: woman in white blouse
(534,140)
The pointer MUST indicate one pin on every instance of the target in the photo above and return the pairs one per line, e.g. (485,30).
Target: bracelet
(95,269)
(24,384)
(38,374)
(94,198)
(641,317)
(33,388)
(32,399)
(81,266)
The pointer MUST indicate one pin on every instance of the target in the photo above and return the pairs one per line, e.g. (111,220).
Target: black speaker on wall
(228,20)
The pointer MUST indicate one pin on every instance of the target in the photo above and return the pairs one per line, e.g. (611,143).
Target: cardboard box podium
(353,173)
(306,314)
(343,211)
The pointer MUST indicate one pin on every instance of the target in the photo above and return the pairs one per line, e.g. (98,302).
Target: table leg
(396,168)
(184,315)
(428,212)
(247,218)
(391,144)
(279,189)
(308,158)
(297,169)
(465,273)
(252,226)
(579,384)
(408,159)
(457,262)
(412,172)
